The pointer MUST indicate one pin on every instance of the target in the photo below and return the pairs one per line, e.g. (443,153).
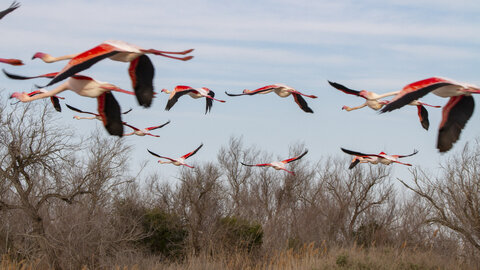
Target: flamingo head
(165,91)
(345,107)
(76,117)
(39,55)
(246,91)
(15,95)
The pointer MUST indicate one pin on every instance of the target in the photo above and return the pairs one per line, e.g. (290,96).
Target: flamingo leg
(219,100)
(288,171)
(167,52)
(188,166)
(298,93)
(114,88)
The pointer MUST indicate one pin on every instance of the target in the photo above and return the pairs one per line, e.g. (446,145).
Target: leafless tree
(453,198)
(56,182)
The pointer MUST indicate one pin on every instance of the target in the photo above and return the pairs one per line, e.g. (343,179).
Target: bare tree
(453,198)
(56,182)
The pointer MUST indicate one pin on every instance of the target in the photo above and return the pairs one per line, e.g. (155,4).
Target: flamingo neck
(47,58)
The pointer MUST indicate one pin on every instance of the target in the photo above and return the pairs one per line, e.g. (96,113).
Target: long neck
(60,88)
(47,58)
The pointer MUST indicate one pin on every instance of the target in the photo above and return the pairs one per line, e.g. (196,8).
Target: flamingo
(11,8)
(372,100)
(281,90)
(144,131)
(178,161)
(278,165)
(95,115)
(455,113)
(10,61)
(382,158)
(108,107)
(141,69)
(195,93)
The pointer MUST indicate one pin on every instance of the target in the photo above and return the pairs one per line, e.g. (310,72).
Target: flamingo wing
(455,115)
(295,158)
(415,151)
(130,126)
(209,101)
(156,127)
(253,92)
(350,152)
(192,153)
(56,103)
(415,91)
(85,60)
(302,103)
(256,165)
(141,73)
(80,111)
(127,111)
(20,77)
(109,110)
(354,163)
(179,91)
(157,155)
(423,116)
(12,7)
(344,89)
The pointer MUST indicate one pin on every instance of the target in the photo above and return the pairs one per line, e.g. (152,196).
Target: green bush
(241,234)
(166,233)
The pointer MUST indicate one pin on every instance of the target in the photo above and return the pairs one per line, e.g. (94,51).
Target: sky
(379,46)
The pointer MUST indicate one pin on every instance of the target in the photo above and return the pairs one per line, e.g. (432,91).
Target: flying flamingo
(12,7)
(108,107)
(372,100)
(95,115)
(455,113)
(141,69)
(195,93)
(376,158)
(281,90)
(178,161)
(278,165)
(144,131)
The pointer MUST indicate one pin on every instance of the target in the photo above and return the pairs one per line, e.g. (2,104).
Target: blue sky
(374,45)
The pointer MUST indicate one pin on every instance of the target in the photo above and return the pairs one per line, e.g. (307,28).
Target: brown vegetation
(66,203)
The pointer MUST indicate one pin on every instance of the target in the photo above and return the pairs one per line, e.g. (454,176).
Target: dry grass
(307,257)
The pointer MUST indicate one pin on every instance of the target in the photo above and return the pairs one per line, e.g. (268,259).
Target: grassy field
(307,257)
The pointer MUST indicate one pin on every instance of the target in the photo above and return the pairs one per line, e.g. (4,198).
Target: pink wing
(132,127)
(13,62)
(415,91)
(295,158)
(256,165)
(256,91)
(155,127)
(192,153)
(85,60)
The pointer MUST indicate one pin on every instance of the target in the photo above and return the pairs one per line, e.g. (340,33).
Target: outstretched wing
(192,153)
(415,91)
(350,152)
(157,155)
(256,91)
(354,163)
(130,126)
(156,127)
(256,165)
(12,7)
(80,111)
(344,89)
(302,103)
(294,158)
(84,61)
(20,77)
(455,115)
(415,151)
(179,91)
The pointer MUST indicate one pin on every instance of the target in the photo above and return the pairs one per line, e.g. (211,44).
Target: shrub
(166,233)
(240,234)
